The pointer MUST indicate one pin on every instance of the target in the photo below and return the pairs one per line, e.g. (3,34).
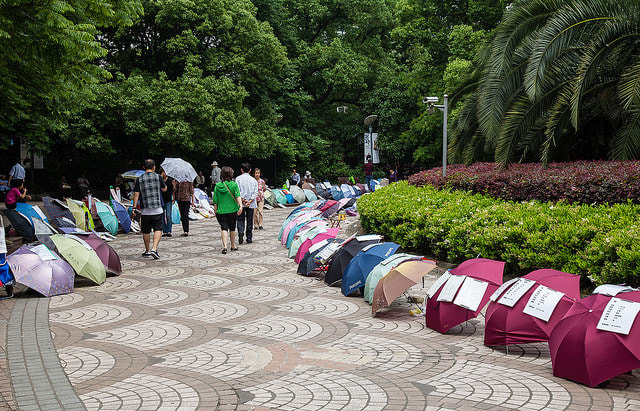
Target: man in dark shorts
(148,189)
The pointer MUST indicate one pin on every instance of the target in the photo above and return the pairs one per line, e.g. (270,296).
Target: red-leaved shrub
(584,182)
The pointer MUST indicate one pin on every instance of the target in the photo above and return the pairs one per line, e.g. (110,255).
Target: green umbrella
(81,257)
(108,217)
(269,197)
(280,197)
(383,269)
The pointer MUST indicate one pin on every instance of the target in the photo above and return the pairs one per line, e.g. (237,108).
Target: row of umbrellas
(544,305)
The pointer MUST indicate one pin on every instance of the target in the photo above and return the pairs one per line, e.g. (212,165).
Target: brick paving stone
(201,330)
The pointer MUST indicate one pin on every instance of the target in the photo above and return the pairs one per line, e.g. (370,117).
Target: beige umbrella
(399,280)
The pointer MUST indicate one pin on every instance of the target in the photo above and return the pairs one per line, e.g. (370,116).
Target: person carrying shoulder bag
(227,205)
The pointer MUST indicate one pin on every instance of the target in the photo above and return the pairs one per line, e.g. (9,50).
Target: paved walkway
(198,329)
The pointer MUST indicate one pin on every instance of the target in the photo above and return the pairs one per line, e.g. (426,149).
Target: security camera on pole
(431,106)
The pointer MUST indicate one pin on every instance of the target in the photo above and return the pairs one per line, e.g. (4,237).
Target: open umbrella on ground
(21,224)
(308,265)
(310,195)
(133,174)
(582,352)
(356,273)
(398,281)
(42,270)
(302,226)
(269,197)
(532,317)
(332,209)
(107,216)
(81,214)
(122,214)
(298,194)
(31,212)
(280,197)
(81,256)
(303,217)
(466,291)
(310,241)
(382,269)
(336,193)
(344,256)
(55,209)
(179,169)
(303,234)
(327,205)
(109,257)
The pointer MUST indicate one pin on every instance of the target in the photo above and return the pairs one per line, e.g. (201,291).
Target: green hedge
(601,243)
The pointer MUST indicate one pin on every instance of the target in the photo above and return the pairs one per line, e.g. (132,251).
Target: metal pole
(445,110)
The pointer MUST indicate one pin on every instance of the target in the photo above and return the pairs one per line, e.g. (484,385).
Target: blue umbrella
(132,174)
(356,273)
(31,212)
(311,196)
(336,193)
(295,213)
(107,216)
(123,215)
(290,199)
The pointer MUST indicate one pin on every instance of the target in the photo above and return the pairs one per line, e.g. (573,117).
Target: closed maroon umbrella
(506,325)
(106,253)
(443,316)
(581,352)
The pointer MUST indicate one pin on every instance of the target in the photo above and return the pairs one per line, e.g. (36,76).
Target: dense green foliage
(236,79)
(600,243)
(559,81)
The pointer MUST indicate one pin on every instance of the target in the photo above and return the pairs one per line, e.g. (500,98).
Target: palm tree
(552,67)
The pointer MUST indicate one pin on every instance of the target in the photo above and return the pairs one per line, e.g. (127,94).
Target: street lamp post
(445,110)
(368,121)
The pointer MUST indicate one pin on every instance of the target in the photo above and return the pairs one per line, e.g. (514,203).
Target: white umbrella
(179,169)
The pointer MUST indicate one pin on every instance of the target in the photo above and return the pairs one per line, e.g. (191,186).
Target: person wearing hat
(215,174)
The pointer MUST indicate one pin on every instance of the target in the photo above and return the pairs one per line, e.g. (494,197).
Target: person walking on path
(368,171)
(167,198)
(249,192)
(149,188)
(262,186)
(17,174)
(215,175)
(184,196)
(227,204)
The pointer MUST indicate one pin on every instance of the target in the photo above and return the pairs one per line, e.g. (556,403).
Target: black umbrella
(344,256)
(21,224)
(307,265)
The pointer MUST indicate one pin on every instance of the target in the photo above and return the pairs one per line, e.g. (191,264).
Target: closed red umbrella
(444,315)
(583,353)
(506,325)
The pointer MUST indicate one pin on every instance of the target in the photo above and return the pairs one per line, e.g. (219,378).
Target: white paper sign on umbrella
(618,316)
(515,293)
(471,293)
(439,283)
(501,289)
(450,288)
(543,302)
(612,289)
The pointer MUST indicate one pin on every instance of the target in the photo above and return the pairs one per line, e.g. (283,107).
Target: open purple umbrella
(109,257)
(41,269)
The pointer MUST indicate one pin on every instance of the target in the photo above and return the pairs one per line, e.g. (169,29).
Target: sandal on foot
(234,249)
(224,251)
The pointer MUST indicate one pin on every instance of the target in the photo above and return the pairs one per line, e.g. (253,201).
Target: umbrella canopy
(328,204)
(303,217)
(280,197)
(302,226)
(301,208)
(398,281)
(344,256)
(132,174)
(444,315)
(362,188)
(336,193)
(107,216)
(382,269)
(307,264)
(81,256)
(42,270)
(109,257)
(506,325)
(55,209)
(298,194)
(81,214)
(329,211)
(31,212)
(311,240)
(122,215)
(179,169)
(356,273)
(311,196)
(21,224)
(269,197)
(581,352)
(303,234)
